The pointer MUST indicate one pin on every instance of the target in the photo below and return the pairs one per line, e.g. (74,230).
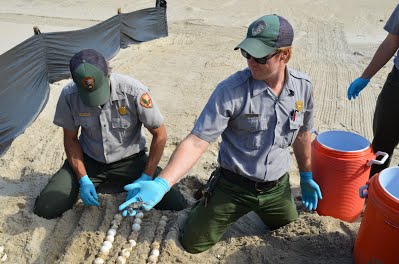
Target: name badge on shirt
(299,105)
(251,115)
(84,114)
(122,110)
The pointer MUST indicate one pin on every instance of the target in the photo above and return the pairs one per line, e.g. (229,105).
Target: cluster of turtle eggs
(110,237)
(155,246)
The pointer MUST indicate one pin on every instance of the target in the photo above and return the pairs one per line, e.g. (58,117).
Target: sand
(334,42)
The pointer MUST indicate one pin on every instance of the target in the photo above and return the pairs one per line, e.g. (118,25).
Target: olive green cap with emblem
(89,71)
(267,34)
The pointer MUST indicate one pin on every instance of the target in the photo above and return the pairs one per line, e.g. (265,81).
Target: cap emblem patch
(88,83)
(146,101)
(258,28)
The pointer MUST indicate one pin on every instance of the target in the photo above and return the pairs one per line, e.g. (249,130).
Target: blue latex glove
(130,194)
(310,191)
(88,193)
(150,192)
(144,177)
(356,86)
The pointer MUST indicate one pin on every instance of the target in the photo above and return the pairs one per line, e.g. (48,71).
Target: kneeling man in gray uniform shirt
(259,113)
(109,110)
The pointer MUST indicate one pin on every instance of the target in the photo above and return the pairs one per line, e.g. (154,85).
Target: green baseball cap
(89,71)
(267,34)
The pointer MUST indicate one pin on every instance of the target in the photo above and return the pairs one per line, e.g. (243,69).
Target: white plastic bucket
(389,180)
(343,141)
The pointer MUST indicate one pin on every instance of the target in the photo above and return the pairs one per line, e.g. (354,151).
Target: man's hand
(88,193)
(356,87)
(130,194)
(150,193)
(310,191)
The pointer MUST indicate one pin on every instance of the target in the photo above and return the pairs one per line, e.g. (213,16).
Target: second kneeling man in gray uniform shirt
(110,111)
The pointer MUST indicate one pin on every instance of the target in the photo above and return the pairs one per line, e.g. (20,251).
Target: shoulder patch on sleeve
(146,101)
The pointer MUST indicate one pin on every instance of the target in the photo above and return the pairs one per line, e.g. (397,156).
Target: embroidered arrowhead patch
(146,101)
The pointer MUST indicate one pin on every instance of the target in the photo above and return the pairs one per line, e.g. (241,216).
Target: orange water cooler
(378,237)
(341,163)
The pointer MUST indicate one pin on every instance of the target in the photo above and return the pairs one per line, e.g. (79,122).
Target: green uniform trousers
(385,121)
(62,191)
(206,224)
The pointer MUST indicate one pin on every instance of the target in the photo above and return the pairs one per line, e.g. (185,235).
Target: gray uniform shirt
(392,26)
(256,126)
(113,131)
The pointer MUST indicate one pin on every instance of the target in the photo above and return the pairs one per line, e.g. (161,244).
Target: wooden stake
(36,30)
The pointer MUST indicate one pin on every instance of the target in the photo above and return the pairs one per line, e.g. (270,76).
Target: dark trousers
(228,202)
(385,122)
(61,192)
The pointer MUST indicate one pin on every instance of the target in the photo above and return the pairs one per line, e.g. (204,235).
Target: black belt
(248,183)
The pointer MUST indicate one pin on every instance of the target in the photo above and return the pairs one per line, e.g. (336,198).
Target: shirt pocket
(293,130)
(120,127)
(90,126)
(253,132)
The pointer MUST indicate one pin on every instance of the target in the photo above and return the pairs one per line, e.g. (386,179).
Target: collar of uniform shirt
(115,96)
(261,86)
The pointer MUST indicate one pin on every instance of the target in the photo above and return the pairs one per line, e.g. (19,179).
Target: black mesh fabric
(286,35)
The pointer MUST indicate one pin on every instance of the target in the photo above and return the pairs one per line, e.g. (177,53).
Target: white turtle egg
(118,217)
(132,243)
(104,249)
(164,218)
(1,249)
(110,238)
(152,258)
(111,232)
(155,252)
(137,221)
(121,260)
(107,244)
(98,261)
(162,223)
(4,257)
(115,222)
(125,253)
(139,215)
(136,227)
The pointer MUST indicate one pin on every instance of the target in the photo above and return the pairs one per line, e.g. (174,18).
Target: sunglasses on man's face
(259,60)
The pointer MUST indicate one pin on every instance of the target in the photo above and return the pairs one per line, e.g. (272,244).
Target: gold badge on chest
(299,105)
(122,110)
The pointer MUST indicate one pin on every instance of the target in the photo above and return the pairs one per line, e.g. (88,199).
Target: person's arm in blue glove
(183,158)
(88,192)
(356,87)
(131,192)
(310,190)
(156,149)
(150,192)
(74,154)
(383,54)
